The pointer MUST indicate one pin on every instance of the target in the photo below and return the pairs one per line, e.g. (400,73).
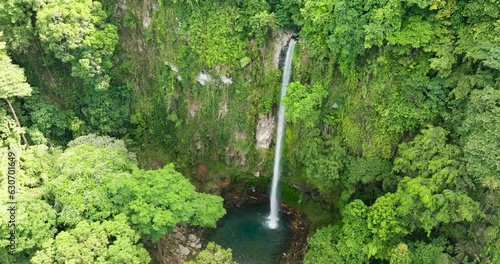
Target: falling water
(273,216)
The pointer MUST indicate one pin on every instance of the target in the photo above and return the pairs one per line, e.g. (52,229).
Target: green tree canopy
(12,83)
(218,42)
(35,224)
(16,23)
(428,155)
(12,79)
(156,201)
(78,187)
(481,136)
(38,164)
(213,254)
(335,29)
(111,241)
(9,131)
(429,197)
(344,244)
(303,103)
(365,172)
(77,32)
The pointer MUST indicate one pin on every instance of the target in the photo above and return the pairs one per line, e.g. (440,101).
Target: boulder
(192,237)
(184,250)
(264,132)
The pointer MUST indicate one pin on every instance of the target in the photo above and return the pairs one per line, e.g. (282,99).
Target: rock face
(148,9)
(234,155)
(193,107)
(146,19)
(281,39)
(264,132)
(222,109)
(121,7)
(180,244)
(241,156)
(203,78)
(226,79)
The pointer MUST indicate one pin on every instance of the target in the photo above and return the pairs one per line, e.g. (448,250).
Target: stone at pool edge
(184,250)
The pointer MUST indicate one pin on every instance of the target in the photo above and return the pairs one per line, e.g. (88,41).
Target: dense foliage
(89,203)
(111,241)
(213,254)
(419,92)
(393,119)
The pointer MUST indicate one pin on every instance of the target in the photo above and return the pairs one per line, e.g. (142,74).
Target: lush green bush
(217,43)
(77,32)
(213,254)
(105,112)
(111,241)
(49,119)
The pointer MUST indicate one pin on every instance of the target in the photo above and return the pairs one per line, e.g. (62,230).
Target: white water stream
(287,70)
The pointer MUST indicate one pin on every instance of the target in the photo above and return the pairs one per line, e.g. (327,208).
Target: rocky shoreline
(185,242)
(299,224)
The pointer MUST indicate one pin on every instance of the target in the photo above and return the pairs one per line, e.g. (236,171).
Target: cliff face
(208,104)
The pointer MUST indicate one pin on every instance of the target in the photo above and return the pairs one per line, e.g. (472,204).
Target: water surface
(245,231)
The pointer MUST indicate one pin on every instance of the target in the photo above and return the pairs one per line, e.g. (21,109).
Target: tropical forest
(250,131)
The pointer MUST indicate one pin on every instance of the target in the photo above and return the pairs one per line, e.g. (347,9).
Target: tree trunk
(159,248)
(17,121)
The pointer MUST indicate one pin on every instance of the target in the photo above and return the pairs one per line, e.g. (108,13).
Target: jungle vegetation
(393,115)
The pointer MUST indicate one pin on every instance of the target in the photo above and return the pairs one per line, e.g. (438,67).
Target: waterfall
(287,69)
